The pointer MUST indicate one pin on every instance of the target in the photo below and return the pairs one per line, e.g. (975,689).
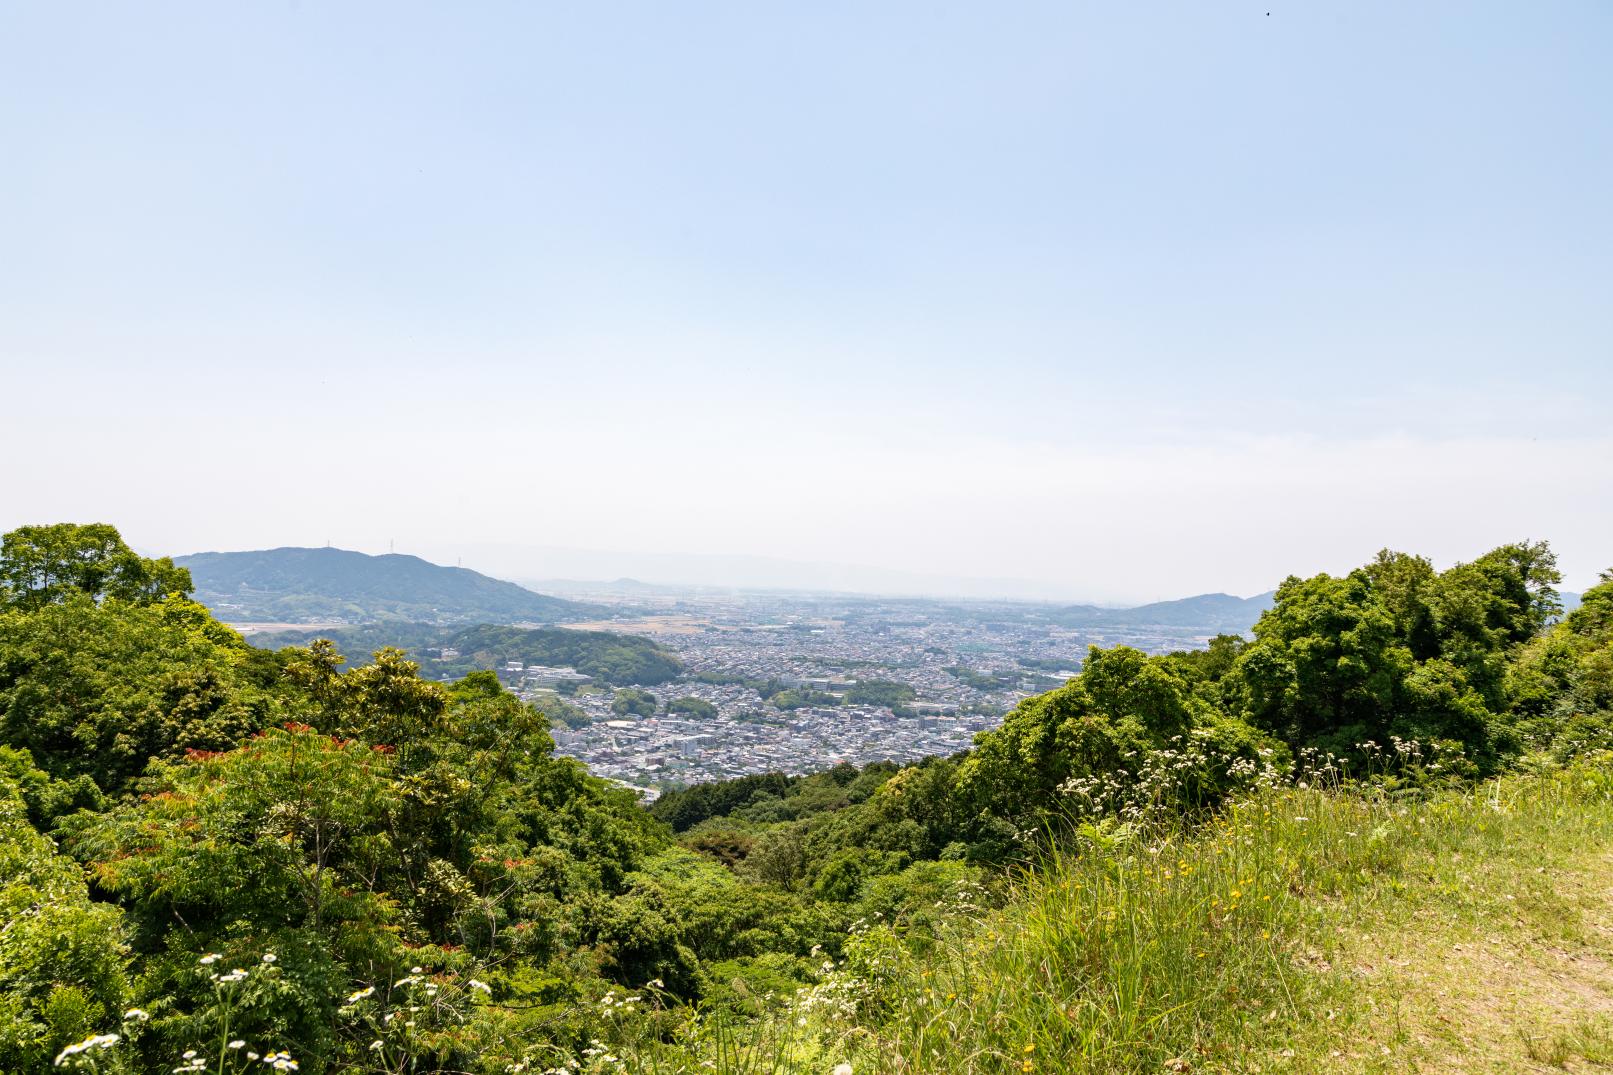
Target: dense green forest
(215,856)
(605,655)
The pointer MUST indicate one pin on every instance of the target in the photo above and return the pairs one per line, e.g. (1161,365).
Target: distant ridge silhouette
(305,585)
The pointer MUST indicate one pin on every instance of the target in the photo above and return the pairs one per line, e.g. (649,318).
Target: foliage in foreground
(1153,946)
(214,854)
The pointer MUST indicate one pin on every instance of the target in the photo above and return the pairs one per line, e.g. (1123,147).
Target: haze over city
(1036,303)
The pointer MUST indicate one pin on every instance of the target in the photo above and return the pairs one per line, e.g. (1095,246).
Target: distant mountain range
(294,585)
(325,585)
(1209,612)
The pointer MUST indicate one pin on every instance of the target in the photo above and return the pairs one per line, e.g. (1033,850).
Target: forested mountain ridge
(303,585)
(211,850)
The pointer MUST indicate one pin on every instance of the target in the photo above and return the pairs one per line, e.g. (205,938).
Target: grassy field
(1304,930)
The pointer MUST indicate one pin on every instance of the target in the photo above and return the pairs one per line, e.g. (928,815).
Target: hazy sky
(1133,300)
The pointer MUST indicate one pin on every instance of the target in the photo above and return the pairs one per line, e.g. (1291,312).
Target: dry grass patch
(1496,964)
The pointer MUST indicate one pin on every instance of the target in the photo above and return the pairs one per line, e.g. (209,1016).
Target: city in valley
(797,683)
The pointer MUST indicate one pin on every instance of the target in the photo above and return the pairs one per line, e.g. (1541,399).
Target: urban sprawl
(965,666)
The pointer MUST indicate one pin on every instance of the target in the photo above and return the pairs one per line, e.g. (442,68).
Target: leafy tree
(730,847)
(1126,684)
(1394,649)
(560,711)
(841,879)
(630,701)
(801,698)
(716,915)
(98,689)
(302,828)
(694,707)
(879,692)
(1125,712)
(1485,609)
(778,857)
(1327,664)
(289,830)
(62,956)
(685,808)
(923,895)
(1210,669)
(1406,584)
(42,565)
(384,702)
(1561,686)
(1521,580)
(1120,705)
(980,680)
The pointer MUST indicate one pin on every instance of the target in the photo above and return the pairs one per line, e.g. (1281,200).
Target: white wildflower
(94,1041)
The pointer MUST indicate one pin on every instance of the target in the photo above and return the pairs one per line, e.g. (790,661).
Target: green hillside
(294,585)
(1376,836)
(607,656)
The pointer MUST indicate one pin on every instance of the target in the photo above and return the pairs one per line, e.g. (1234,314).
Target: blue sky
(1123,300)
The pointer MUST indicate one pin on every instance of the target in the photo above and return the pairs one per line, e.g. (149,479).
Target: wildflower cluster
(404,1020)
(1412,762)
(966,898)
(1191,772)
(630,1037)
(611,1004)
(231,1054)
(875,956)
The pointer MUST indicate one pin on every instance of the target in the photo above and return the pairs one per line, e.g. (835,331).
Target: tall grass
(1157,946)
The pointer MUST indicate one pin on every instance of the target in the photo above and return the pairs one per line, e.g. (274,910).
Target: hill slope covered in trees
(605,655)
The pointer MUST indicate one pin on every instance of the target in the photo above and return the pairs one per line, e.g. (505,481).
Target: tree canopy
(42,565)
